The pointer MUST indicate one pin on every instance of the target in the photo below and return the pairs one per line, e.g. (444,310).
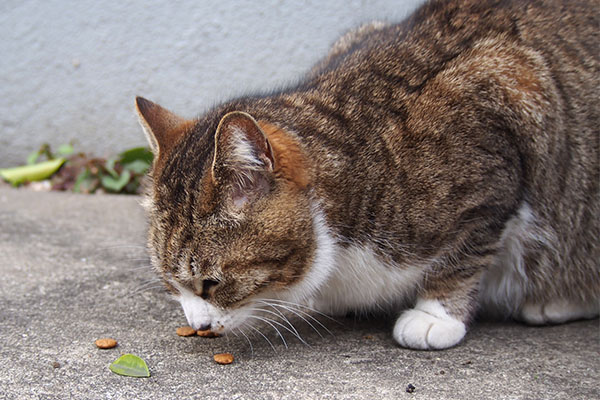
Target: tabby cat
(446,165)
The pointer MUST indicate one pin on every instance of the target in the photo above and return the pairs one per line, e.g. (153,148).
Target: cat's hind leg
(533,282)
(557,311)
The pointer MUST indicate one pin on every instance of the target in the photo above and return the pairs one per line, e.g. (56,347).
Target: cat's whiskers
(152,280)
(141,267)
(292,331)
(147,289)
(303,306)
(151,284)
(261,334)
(299,313)
(279,314)
(267,321)
(248,340)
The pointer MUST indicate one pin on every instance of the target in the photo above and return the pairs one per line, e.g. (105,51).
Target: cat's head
(231,218)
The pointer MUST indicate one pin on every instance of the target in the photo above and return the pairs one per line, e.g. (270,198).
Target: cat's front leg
(438,320)
(428,326)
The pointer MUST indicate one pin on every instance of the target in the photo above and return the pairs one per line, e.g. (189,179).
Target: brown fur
(290,162)
(420,140)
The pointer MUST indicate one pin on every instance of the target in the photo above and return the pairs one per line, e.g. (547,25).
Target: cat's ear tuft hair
(244,156)
(162,127)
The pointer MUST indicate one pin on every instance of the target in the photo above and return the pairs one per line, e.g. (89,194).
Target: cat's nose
(204,327)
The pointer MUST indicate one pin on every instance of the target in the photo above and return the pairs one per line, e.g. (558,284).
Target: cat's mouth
(269,312)
(202,315)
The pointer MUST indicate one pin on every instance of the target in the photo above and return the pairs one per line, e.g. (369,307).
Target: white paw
(427,327)
(557,312)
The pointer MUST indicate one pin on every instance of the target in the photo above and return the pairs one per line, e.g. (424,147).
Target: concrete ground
(73,269)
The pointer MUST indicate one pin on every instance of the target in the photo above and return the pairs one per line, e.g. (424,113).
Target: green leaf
(130,365)
(115,185)
(138,167)
(30,173)
(109,165)
(33,157)
(138,153)
(84,183)
(65,149)
(80,177)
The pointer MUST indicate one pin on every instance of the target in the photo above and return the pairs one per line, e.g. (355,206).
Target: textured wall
(69,70)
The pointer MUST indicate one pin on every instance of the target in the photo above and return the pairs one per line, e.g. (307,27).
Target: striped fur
(448,163)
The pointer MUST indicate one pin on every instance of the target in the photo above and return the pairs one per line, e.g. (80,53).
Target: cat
(446,166)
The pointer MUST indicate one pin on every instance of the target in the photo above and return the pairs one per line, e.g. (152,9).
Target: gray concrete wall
(69,70)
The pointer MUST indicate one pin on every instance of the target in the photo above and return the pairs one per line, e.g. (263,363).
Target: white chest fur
(362,280)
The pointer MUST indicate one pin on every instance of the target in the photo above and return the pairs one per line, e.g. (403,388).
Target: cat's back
(531,69)
(565,32)
(459,99)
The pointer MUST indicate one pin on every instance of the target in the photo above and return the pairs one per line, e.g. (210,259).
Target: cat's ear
(244,156)
(162,127)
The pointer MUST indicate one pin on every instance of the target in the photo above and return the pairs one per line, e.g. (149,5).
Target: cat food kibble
(186,331)
(223,358)
(106,343)
(207,333)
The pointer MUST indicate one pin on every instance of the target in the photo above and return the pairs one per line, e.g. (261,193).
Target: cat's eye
(207,284)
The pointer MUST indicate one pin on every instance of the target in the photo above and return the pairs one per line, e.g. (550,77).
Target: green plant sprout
(81,173)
